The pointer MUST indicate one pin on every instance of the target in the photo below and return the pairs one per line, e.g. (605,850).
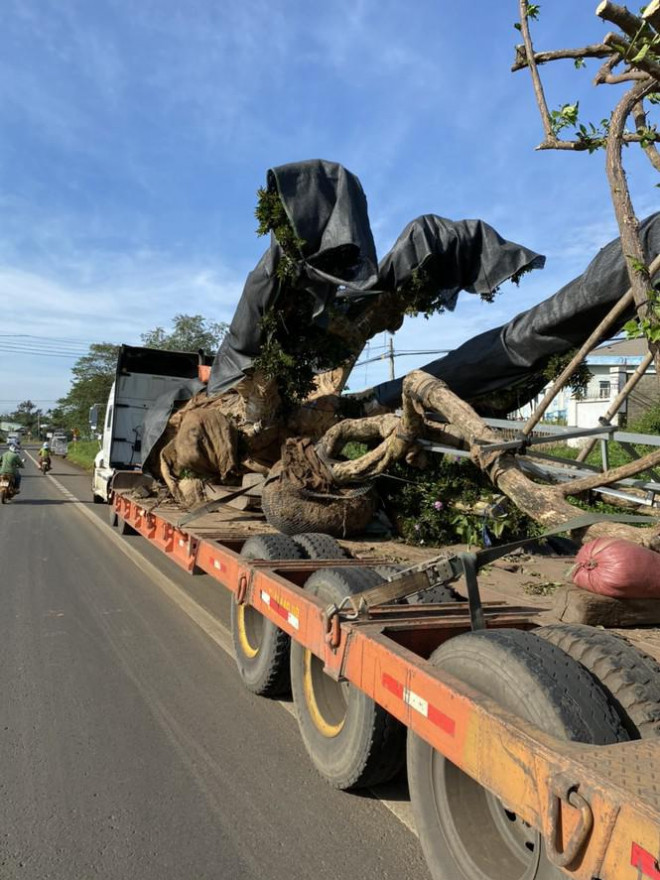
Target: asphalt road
(129,747)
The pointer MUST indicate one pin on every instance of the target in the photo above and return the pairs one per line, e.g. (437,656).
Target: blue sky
(135,135)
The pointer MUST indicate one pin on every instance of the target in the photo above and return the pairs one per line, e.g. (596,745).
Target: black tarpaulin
(327,208)
(158,414)
(506,355)
(454,255)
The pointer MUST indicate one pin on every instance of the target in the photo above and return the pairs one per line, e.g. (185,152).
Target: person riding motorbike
(44,457)
(10,463)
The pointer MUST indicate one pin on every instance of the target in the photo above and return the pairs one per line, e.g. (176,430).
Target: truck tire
(630,678)
(124,527)
(318,545)
(261,649)
(352,741)
(466,832)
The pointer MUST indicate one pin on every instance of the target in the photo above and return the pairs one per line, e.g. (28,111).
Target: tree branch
(625,50)
(544,504)
(641,122)
(612,476)
(623,208)
(630,24)
(652,14)
(536,79)
(598,50)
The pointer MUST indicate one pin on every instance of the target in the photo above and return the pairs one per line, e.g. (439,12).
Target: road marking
(205,621)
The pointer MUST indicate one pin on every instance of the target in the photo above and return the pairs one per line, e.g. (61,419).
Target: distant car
(59,444)
(13,438)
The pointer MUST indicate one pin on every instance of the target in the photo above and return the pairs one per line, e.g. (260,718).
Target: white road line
(205,621)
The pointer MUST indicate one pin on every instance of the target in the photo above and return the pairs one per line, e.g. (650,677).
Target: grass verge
(83,453)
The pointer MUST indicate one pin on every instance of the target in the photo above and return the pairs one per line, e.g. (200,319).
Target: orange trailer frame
(598,807)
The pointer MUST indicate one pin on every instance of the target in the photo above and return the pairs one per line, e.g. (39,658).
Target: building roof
(622,348)
(620,352)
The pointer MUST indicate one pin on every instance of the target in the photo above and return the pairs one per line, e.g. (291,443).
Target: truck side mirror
(94,417)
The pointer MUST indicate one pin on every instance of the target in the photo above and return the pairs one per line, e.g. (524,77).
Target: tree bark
(544,504)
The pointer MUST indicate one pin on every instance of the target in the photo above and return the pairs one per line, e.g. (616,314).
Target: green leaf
(632,329)
(641,55)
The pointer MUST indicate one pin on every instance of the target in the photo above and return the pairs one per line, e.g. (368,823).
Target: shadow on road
(41,501)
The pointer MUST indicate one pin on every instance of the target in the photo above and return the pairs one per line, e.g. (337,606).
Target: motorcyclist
(10,463)
(44,455)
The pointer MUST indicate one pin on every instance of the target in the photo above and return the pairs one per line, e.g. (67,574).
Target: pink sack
(617,568)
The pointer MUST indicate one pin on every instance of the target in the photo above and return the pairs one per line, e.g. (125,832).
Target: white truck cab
(142,375)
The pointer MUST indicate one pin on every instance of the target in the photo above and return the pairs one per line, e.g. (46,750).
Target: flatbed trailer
(596,807)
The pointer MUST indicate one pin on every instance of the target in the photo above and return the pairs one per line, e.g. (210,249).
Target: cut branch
(630,24)
(613,475)
(652,14)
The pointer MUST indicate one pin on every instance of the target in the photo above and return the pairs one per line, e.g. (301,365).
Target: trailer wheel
(352,741)
(630,677)
(125,528)
(318,545)
(261,648)
(466,832)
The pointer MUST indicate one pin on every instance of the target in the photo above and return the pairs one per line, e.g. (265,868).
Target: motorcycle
(7,487)
(44,465)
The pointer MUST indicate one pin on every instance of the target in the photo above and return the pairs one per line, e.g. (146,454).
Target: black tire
(465,832)
(124,527)
(434,596)
(97,498)
(630,678)
(318,545)
(3,496)
(352,741)
(261,649)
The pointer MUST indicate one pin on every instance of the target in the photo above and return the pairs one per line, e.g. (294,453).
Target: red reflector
(645,862)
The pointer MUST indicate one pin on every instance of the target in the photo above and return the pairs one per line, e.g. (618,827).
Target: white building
(610,365)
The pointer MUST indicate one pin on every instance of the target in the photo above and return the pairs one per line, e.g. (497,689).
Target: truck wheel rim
(250,627)
(490,841)
(326,700)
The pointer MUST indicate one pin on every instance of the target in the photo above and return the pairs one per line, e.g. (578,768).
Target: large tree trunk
(544,504)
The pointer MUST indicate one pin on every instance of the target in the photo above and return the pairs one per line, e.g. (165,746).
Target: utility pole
(391,356)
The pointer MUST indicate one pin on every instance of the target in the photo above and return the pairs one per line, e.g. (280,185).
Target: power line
(56,349)
(15,351)
(386,355)
(47,338)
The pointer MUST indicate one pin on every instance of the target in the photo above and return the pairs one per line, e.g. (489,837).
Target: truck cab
(142,375)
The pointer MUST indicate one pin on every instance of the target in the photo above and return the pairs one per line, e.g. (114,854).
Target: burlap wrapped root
(203,449)
(301,496)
